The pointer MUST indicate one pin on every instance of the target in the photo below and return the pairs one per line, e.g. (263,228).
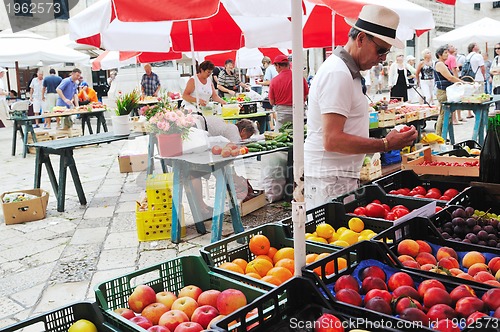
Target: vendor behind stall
(87,95)
(229,82)
(68,94)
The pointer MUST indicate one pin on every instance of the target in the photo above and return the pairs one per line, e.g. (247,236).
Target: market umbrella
(116,59)
(453,2)
(485,30)
(244,57)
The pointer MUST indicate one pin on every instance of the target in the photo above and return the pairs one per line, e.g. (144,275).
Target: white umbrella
(485,30)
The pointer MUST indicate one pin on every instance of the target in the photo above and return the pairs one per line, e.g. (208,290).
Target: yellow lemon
(340,243)
(363,238)
(341,230)
(325,230)
(318,239)
(371,235)
(356,224)
(366,231)
(334,237)
(308,235)
(82,325)
(349,236)
(314,234)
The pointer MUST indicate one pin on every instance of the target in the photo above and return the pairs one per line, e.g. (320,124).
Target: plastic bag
(197,141)
(253,95)
(455,92)
(274,175)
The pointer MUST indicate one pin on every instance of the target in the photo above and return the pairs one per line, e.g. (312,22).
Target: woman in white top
(425,76)
(203,89)
(495,73)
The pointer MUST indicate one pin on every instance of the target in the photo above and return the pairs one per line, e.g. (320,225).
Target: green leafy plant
(126,103)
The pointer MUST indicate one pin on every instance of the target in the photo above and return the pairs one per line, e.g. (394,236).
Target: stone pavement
(58,260)
(49,263)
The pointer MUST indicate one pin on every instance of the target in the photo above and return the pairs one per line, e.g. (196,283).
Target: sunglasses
(497,48)
(381,51)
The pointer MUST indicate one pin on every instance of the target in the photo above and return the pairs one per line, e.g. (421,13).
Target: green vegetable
(253,150)
(255,146)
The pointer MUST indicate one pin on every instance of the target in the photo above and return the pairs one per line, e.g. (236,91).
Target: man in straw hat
(338,119)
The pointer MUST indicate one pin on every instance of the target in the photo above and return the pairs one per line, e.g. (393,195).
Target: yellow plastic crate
(159,191)
(156,225)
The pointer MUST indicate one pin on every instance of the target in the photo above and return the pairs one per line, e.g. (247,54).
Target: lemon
(363,238)
(308,235)
(366,231)
(356,224)
(341,230)
(325,230)
(314,234)
(349,236)
(334,237)
(318,239)
(369,236)
(340,243)
(82,325)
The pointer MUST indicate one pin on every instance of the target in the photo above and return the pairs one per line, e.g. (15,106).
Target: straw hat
(378,21)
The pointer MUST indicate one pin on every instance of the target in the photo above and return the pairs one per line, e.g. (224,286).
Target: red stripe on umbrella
(156,10)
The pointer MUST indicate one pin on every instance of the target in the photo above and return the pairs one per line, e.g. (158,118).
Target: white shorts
(319,191)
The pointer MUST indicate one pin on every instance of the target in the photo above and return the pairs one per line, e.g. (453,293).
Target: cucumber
(281,145)
(289,144)
(253,150)
(254,146)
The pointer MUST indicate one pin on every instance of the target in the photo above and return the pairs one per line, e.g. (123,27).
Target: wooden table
(64,148)
(222,168)
(27,122)
(480,113)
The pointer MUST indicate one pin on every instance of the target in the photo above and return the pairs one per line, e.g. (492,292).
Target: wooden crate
(71,132)
(384,116)
(400,118)
(386,123)
(42,138)
(416,166)
(412,116)
(253,204)
(373,170)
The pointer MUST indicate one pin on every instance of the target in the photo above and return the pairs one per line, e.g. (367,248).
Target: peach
(494,264)
(454,271)
(404,258)
(449,263)
(412,264)
(446,252)
(497,275)
(435,296)
(408,247)
(464,275)
(493,283)
(425,258)
(483,276)
(460,292)
(477,267)
(427,267)
(472,258)
(428,284)
(424,246)
(400,279)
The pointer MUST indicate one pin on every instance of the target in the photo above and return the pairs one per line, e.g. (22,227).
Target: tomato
(435,190)
(438,208)
(235,152)
(386,207)
(400,207)
(432,194)
(390,216)
(444,198)
(393,192)
(216,149)
(404,191)
(451,193)
(419,196)
(375,210)
(413,193)
(243,150)
(404,129)
(420,190)
(400,212)
(377,201)
(360,211)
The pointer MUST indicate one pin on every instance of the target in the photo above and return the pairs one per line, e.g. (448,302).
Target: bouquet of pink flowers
(171,122)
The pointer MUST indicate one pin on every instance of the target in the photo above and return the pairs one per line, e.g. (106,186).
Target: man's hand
(397,140)
(68,102)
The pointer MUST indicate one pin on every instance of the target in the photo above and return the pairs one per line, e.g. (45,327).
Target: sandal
(470,116)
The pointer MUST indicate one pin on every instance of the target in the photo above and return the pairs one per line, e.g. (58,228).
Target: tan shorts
(319,191)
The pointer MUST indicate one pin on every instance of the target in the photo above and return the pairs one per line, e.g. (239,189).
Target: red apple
(208,297)
(346,282)
(400,279)
(203,315)
(125,312)
(328,323)
(406,291)
(141,321)
(462,291)
(185,304)
(188,327)
(230,300)
(406,302)
(215,320)
(373,283)
(441,311)
(372,271)
(350,296)
(154,311)
(158,328)
(428,284)
(141,297)
(191,291)
(435,296)
(446,325)
(167,298)
(468,305)
(379,293)
(172,318)
(492,298)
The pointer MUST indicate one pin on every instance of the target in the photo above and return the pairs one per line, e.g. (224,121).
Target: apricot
(424,246)
(477,267)
(472,258)
(404,258)
(408,247)
(449,263)
(425,258)
(446,252)
(483,276)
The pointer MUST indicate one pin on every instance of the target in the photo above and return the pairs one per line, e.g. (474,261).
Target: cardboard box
(133,163)
(253,204)
(31,210)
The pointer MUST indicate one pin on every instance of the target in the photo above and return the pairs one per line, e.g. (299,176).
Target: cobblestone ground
(49,263)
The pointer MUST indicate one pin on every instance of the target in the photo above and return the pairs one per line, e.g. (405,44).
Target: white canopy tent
(485,30)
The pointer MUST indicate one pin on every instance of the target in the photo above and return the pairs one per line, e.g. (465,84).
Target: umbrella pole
(193,61)
(298,204)
(18,81)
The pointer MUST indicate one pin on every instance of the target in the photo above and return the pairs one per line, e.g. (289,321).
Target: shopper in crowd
(477,65)
(280,91)
(201,87)
(487,74)
(255,75)
(337,120)
(378,77)
(229,82)
(269,73)
(50,84)
(410,74)
(495,73)
(444,78)
(425,76)
(452,64)
(87,95)
(4,107)
(150,82)
(67,92)
(398,79)
(368,80)
(36,96)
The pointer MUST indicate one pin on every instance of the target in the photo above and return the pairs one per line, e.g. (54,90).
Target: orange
(329,267)
(266,257)
(232,267)
(342,263)
(311,258)
(286,263)
(259,244)
(253,275)
(272,252)
(286,252)
(271,280)
(241,263)
(281,273)
(259,266)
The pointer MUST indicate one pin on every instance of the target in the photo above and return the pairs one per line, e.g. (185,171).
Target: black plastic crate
(444,216)
(364,254)
(236,246)
(333,214)
(366,194)
(455,153)
(248,108)
(409,179)
(60,320)
(171,275)
(469,143)
(477,197)
(281,309)
(423,229)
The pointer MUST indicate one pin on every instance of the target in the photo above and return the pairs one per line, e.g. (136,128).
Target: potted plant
(170,127)
(125,103)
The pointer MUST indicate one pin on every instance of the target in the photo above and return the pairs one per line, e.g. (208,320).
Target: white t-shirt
(476,61)
(204,92)
(333,90)
(268,76)
(254,73)
(37,86)
(2,88)
(218,127)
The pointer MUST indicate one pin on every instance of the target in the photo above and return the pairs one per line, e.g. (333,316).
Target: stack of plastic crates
(156,222)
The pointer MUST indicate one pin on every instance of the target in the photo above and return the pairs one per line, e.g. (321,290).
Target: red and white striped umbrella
(453,2)
(116,59)
(244,57)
